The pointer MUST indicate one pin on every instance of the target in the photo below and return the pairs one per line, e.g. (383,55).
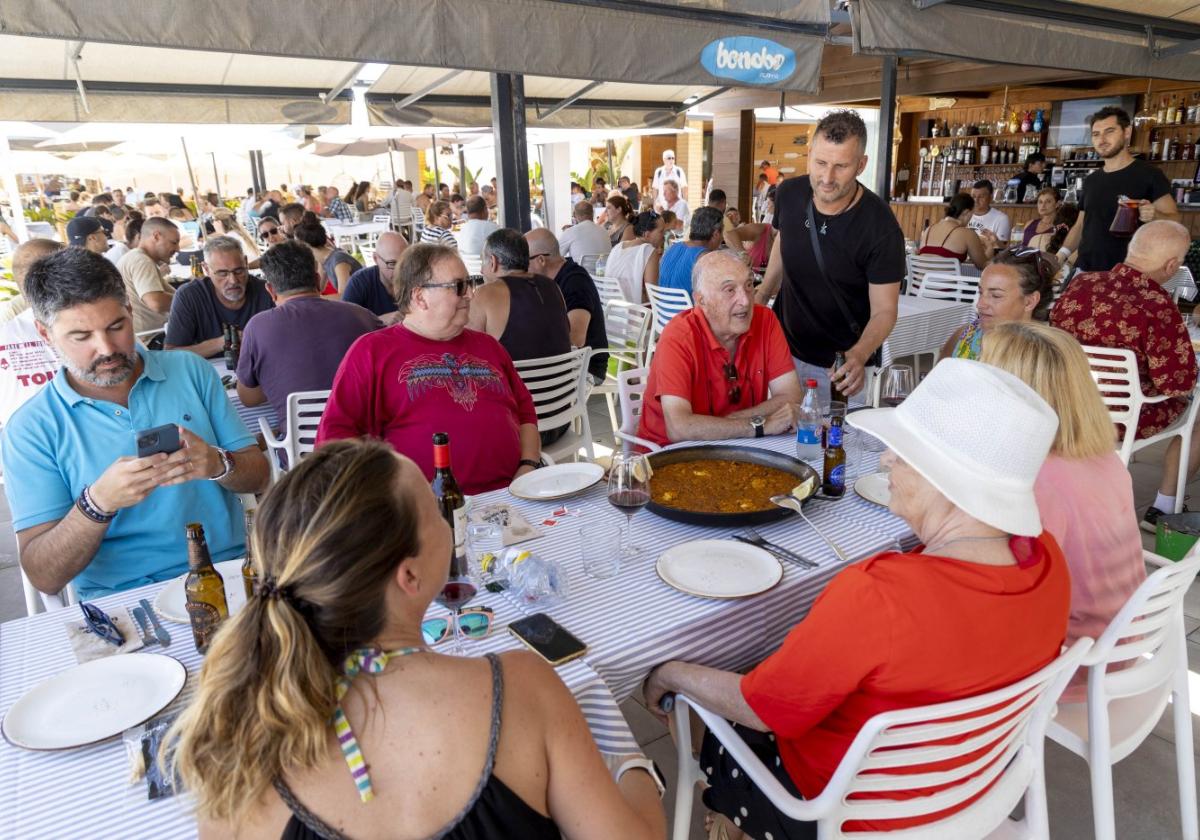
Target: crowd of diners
(1001,461)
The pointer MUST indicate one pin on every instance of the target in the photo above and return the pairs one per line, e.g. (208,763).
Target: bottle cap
(810,383)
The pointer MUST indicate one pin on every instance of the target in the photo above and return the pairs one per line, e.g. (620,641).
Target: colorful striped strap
(371,661)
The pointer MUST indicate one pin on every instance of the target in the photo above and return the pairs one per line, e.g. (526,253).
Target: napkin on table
(88,646)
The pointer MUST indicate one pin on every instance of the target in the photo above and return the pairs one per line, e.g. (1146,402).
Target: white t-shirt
(583,238)
(681,211)
(668,173)
(115,252)
(26,363)
(401,206)
(996,221)
(472,236)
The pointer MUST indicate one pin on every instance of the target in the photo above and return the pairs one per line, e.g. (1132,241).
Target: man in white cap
(982,605)
(667,172)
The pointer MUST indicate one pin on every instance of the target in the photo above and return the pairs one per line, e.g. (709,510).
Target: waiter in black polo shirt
(845,301)
(1122,175)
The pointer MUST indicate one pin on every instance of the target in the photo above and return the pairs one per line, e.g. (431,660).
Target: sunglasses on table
(99,622)
(459,286)
(473,622)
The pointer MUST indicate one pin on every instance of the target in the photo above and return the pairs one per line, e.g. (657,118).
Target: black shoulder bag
(876,357)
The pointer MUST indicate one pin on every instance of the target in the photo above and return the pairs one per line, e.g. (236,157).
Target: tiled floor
(1144,783)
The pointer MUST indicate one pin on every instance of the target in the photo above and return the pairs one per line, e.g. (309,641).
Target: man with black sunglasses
(371,287)
(721,369)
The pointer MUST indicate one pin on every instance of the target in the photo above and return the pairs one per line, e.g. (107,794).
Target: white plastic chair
(1181,285)
(304,410)
(588,261)
(368,255)
(627,326)
(473,262)
(37,601)
(1013,717)
(1123,706)
(666,304)
(956,287)
(631,387)
(559,387)
(921,264)
(418,222)
(609,288)
(1115,372)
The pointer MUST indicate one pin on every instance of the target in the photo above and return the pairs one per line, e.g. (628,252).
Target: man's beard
(105,379)
(1116,150)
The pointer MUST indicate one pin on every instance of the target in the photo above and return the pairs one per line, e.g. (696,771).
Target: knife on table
(164,638)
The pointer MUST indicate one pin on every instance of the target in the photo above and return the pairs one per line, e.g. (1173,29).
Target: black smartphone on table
(163,438)
(547,638)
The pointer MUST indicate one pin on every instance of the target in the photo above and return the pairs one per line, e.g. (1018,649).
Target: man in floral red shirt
(1128,308)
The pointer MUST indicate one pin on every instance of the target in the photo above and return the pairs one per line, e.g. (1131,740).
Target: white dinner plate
(719,569)
(94,701)
(874,488)
(171,603)
(556,481)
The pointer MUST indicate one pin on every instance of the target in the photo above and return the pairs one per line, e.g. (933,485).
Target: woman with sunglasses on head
(429,373)
(322,712)
(1016,286)
(634,262)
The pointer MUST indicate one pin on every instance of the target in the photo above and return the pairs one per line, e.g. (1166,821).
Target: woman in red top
(954,239)
(983,604)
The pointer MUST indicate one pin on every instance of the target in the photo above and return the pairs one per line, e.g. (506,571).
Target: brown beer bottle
(835,393)
(204,589)
(835,461)
(249,572)
(197,268)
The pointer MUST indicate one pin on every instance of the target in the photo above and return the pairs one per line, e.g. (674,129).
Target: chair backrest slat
(558,386)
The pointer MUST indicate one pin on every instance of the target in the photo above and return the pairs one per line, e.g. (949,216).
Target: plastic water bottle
(808,424)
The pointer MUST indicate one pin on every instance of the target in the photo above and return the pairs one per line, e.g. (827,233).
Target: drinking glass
(601,261)
(600,546)
(897,385)
(629,492)
(459,589)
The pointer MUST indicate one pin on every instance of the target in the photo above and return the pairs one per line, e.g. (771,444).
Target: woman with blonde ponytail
(352,550)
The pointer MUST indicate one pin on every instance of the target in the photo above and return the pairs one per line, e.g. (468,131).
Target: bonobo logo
(752,61)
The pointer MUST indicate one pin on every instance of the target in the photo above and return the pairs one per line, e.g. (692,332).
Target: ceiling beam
(1182,48)
(1078,14)
(925,4)
(684,106)
(344,83)
(413,98)
(718,17)
(569,101)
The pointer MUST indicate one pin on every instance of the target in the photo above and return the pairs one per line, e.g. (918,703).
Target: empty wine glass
(629,491)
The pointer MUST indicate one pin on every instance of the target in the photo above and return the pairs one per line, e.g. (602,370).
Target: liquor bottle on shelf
(1181,114)
(1188,149)
(1160,116)
(1172,112)
(1155,145)
(1166,147)
(985,152)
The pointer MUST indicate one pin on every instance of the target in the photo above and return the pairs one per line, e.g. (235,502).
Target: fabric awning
(556,38)
(423,115)
(896,27)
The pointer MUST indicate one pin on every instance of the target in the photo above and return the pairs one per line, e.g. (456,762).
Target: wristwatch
(649,766)
(226,464)
(758,423)
(529,462)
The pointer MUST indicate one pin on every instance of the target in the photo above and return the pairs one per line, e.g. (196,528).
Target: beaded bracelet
(89,508)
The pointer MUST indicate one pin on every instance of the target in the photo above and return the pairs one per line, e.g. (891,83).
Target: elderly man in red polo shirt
(721,369)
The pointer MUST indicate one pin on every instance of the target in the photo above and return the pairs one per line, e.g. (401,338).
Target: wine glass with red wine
(897,385)
(629,491)
(460,588)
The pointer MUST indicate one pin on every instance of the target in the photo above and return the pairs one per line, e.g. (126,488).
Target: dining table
(248,414)
(630,622)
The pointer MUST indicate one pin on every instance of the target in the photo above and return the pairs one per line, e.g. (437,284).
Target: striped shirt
(438,236)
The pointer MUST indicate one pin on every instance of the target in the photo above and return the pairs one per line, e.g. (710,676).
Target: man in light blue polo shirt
(85,508)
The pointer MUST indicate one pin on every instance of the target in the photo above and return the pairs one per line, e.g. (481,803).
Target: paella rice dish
(716,486)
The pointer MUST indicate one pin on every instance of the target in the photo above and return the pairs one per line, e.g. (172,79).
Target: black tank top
(537,318)
(492,811)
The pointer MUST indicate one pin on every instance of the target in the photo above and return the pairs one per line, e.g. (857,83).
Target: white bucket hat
(976,433)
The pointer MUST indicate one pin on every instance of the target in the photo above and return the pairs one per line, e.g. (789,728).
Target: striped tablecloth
(923,325)
(85,792)
(634,621)
(249,415)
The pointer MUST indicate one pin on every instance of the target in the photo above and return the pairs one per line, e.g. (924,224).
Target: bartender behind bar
(1029,182)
